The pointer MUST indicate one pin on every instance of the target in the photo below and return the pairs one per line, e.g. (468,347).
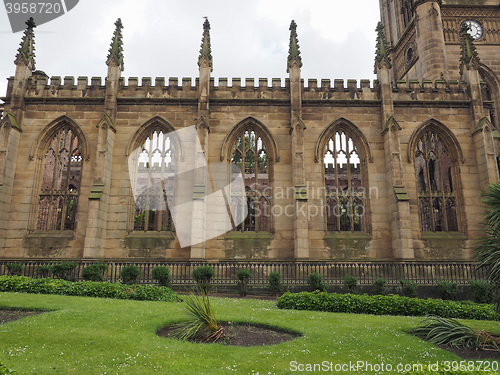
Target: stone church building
(385,170)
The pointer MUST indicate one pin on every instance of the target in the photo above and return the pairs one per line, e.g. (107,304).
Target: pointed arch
(443,131)
(251,151)
(344,151)
(155,123)
(249,123)
(435,153)
(153,156)
(352,130)
(491,92)
(47,134)
(60,152)
(489,75)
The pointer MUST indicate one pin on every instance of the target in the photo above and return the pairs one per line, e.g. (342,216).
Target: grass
(84,335)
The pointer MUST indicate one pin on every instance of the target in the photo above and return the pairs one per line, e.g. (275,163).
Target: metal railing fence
(294,273)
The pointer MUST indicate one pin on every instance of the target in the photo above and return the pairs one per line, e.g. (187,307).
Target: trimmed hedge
(386,305)
(64,270)
(22,284)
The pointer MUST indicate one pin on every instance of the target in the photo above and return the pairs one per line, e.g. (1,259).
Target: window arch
(407,11)
(491,99)
(153,162)
(437,185)
(60,180)
(252,155)
(344,166)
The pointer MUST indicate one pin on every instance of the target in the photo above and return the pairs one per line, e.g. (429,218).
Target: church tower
(424,36)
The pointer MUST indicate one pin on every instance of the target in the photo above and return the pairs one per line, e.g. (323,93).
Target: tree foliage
(488,250)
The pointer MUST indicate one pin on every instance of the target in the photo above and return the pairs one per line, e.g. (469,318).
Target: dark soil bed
(11,315)
(472,354)
(245,335)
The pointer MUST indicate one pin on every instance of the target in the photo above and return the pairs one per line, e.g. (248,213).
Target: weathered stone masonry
(442,89)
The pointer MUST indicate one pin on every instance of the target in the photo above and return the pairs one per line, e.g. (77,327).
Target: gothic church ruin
(386,170)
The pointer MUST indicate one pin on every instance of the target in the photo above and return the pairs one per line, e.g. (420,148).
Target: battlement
(429,90)
(41,86)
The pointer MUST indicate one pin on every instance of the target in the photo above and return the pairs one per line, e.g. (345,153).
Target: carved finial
(382,53)
(26,51)
(293,51)
(468,49)
(206,49)
(116,48)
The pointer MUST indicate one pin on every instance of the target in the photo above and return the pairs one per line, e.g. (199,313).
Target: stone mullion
(337,198)
(53,191)
(65,192)
(159,219)
(349,184)
(429,184)
(148,191)
(443,196)
(64,210)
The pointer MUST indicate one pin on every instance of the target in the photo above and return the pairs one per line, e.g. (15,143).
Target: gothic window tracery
(345,192)
(155,182)
(435,183)
(61,181)
(250,156)
(407,11)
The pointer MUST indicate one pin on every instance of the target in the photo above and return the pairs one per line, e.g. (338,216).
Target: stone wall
(384,117)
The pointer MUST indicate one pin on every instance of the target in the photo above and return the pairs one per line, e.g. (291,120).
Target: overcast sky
(162,38)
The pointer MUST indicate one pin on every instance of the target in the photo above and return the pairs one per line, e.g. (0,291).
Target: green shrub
(481,290)
(14,268)
(350,282)
(162,275)
(201,325)
(275,283)
(94,272)
(316,281)
(379,286)
(21,284)
(447,289)
(4,370)
(449,332)
(409,288)
(386,305)
(43,271)
(130,274)
(243,276)
(203,276)
(64,270)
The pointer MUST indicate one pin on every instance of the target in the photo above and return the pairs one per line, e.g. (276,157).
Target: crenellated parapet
(340,89)
(442,90)
(41,86)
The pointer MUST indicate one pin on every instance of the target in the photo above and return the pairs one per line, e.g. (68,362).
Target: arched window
(154,161)
(344,185)
(61,181)
(250,156)
(437,199)
(407,11)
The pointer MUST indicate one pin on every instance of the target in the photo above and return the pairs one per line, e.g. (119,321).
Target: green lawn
(103,336)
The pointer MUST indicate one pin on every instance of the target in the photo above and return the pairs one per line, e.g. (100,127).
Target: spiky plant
(488,251)
(201,325)
(449,332)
